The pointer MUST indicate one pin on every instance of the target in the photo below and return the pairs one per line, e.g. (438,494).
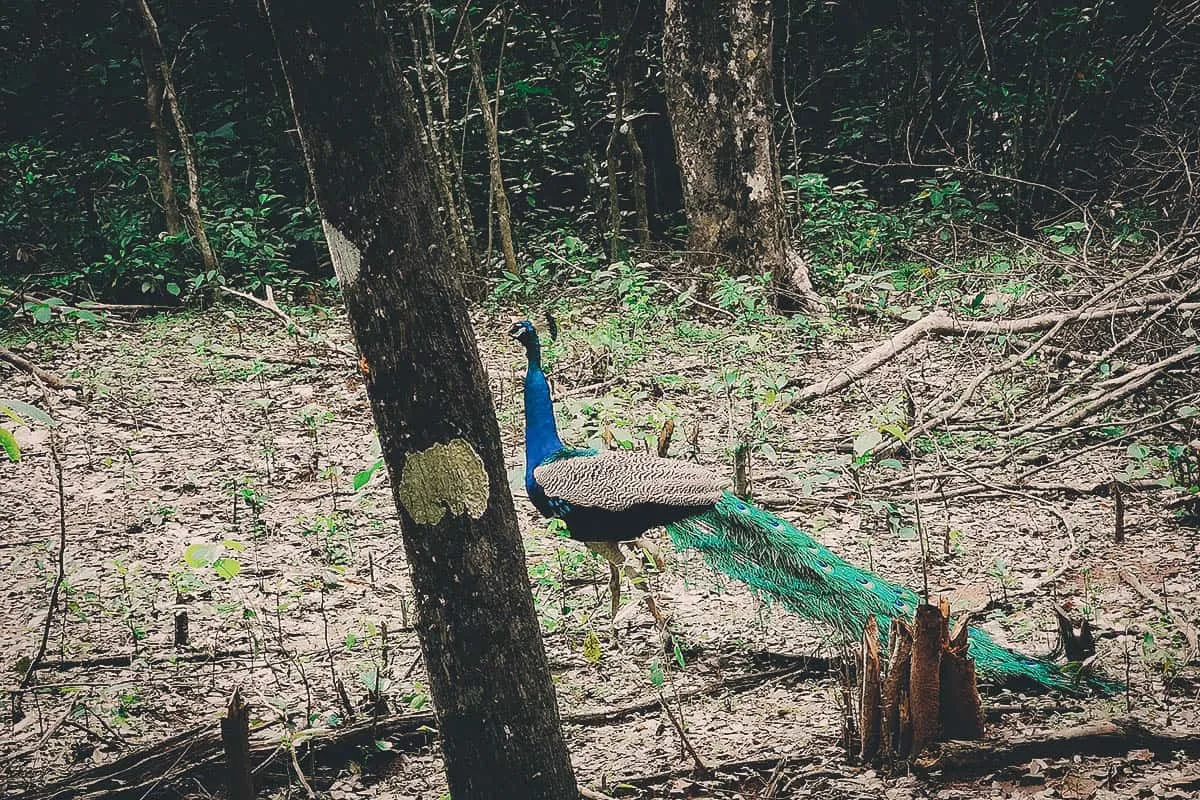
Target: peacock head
(525,333)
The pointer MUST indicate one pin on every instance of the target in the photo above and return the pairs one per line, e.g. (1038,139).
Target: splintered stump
(930,692)
(235,736)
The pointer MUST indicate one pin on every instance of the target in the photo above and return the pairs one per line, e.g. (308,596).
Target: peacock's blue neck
(541,434)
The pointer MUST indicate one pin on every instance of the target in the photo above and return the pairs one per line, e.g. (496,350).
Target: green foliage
(202,556)
(20,413)
(846,229)
(84,217)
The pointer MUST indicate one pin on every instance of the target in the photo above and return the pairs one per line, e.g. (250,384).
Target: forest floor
(207,468)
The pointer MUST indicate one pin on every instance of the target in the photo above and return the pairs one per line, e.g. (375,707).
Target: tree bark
(207,255)
(611,165)
(489,677)
(442,169)
(490,116)
(641,208)
(151,57)
(583,130)
(718,80)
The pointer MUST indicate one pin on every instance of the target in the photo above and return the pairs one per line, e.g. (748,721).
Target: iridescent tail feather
(781,562)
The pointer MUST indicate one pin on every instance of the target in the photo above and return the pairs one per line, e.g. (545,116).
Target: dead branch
(199,750)
(46,377)
(1131,337)
(1108,737)
(1106,394)
(942,323)
(1131,383)
(1185,627)
(288,320)
(60,573)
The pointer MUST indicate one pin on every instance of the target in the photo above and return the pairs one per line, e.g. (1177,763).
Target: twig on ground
(292,325)
(60,566)
(45,376)
(1108,737)
(1184,627)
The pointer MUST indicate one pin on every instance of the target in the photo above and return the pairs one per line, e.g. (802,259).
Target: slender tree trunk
(207,256)
(610,159)
(583,130)
(489,677)
(441,85)
(151,58)
(641,208)
(718,62)
(490,124)
(442,174)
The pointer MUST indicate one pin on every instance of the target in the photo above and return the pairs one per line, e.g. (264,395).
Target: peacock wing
(616,481)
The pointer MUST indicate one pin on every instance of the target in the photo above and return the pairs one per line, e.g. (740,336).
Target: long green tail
(779,561)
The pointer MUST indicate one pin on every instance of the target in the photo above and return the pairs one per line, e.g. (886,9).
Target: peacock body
(616,497)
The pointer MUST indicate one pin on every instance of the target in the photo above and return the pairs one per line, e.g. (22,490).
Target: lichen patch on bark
(446,479)
(344,255)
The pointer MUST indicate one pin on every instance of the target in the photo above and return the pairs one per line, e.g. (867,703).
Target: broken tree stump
(897,727)
(962,708)
(930,693)
(870,692)
(235,736)
(924,681)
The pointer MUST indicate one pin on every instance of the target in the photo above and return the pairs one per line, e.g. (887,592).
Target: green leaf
(200,554)
(234,545)
(656,675)
(867,441)
(174,289)
(9,443)
(23,409)
(227,567)
(591,648)
(42,314)
(1137,451)
(361,479)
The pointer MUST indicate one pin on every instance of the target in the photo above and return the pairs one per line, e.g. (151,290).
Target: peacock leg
(614,588)
(651,551)
(638,579)
(611,552)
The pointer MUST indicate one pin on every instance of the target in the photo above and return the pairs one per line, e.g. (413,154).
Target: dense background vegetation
(893,119)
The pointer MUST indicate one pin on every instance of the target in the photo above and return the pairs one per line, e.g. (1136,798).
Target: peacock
(608,498)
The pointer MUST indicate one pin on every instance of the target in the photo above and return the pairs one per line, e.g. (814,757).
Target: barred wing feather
(615,481)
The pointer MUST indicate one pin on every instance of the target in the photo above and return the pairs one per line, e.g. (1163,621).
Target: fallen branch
(1106,394)
(293,326)
(941,323)
(199,750)
(1109,737)
(1094,362)
(46,377)
(1185,627)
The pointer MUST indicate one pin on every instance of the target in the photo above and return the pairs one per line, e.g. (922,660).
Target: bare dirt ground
(177,441)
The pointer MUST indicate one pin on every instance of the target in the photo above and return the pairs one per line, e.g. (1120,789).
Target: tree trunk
(611,164)
(442,172)
(583,131)
(207,256)
(641,208)
(717,58)
(151,58)
(491,134)
(489,677)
